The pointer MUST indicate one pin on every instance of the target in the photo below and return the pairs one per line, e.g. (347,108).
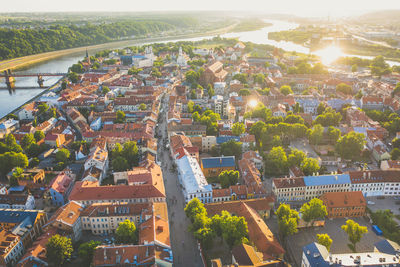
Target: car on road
(370,202)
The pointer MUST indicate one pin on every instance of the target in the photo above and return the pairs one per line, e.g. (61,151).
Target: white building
(98,159)
(207,142)
(17,201)
(192,179)
(385,253)
(8,126)
(181,59)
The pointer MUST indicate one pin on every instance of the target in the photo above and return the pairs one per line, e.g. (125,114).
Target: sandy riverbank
(22,62)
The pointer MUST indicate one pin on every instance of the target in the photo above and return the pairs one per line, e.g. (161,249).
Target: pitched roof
(259,233)
(343,199)
(92,191)
(218,162)
(246,255)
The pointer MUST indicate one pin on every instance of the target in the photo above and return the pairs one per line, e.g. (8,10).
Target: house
(246,255)
(344,204)
(309,187)
(27,224)
(213,166)
(17,201)
(96,165)
(279,111)
(380,153)
(259,233)
(192,179)
(8,126)
(67,219)
(390,165)
(54,140)
(88,192)
(383,253)
(11,248)
(27,112)
(214,72)
(60,187)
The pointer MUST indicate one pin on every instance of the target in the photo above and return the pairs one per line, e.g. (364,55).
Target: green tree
(276,162)
(190,106)
(120,116)
(210,91)
(228,178)
(238,128)
(321,108)
(39,135)
(34,162)
(43,108)
(142,106)
(33,150)
(231,148)
(117,150)
(86,251)
(120,164)
(309,166)
(287,220)
(316,134)
(78,68)
(395,154)
(193,208)
(333,134)
(350,145)
(234,229)
(344,88)
(63,85)
(9,160)
(276,141)
(126,233)
(27,140)
(244,92)
(62,155)
(73,77)
(286,90)
(328,118)
(58,250)
(325,240)
(193,94)
(192,77)
(105,89)
(354,232)
(296,157)
(313,210)
(131,153)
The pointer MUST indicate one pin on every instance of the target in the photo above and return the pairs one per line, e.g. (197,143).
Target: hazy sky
(298,7)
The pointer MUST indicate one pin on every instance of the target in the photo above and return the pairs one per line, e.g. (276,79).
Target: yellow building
(212,167)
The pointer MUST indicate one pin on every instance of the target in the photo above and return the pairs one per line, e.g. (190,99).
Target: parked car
(370,203)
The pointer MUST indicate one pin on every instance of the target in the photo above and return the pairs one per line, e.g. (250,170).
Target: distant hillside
(384,17)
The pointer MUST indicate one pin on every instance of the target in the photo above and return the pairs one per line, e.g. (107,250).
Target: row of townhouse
(370,183)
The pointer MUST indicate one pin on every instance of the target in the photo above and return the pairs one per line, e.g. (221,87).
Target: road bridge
(10,77)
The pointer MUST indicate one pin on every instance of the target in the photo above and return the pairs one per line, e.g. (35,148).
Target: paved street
(184,246)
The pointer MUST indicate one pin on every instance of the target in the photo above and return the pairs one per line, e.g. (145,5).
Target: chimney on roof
(364,175)
(369,175)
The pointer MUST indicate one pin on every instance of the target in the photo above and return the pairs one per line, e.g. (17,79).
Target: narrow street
(184,246)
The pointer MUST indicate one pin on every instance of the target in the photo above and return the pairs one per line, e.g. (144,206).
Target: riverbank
(36,97)
(23,62)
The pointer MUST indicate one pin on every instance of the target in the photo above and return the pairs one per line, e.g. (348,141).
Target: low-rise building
(213,166)
(67,220)
(87,192)
(8,126)
(11,248)
(383,254)
(192,179)
(344,204)
(60,187)
(17,201)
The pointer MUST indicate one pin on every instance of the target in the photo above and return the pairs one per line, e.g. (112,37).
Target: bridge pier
(40,81)
(10,80)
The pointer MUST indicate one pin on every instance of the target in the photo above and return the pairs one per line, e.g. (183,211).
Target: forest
(23,42)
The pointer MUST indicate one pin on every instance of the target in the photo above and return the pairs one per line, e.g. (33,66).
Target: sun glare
(253,103)
(329,54)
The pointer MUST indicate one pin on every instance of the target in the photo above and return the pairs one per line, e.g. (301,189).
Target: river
(10,101)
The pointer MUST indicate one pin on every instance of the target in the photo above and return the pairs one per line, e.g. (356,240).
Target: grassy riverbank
(23,62)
